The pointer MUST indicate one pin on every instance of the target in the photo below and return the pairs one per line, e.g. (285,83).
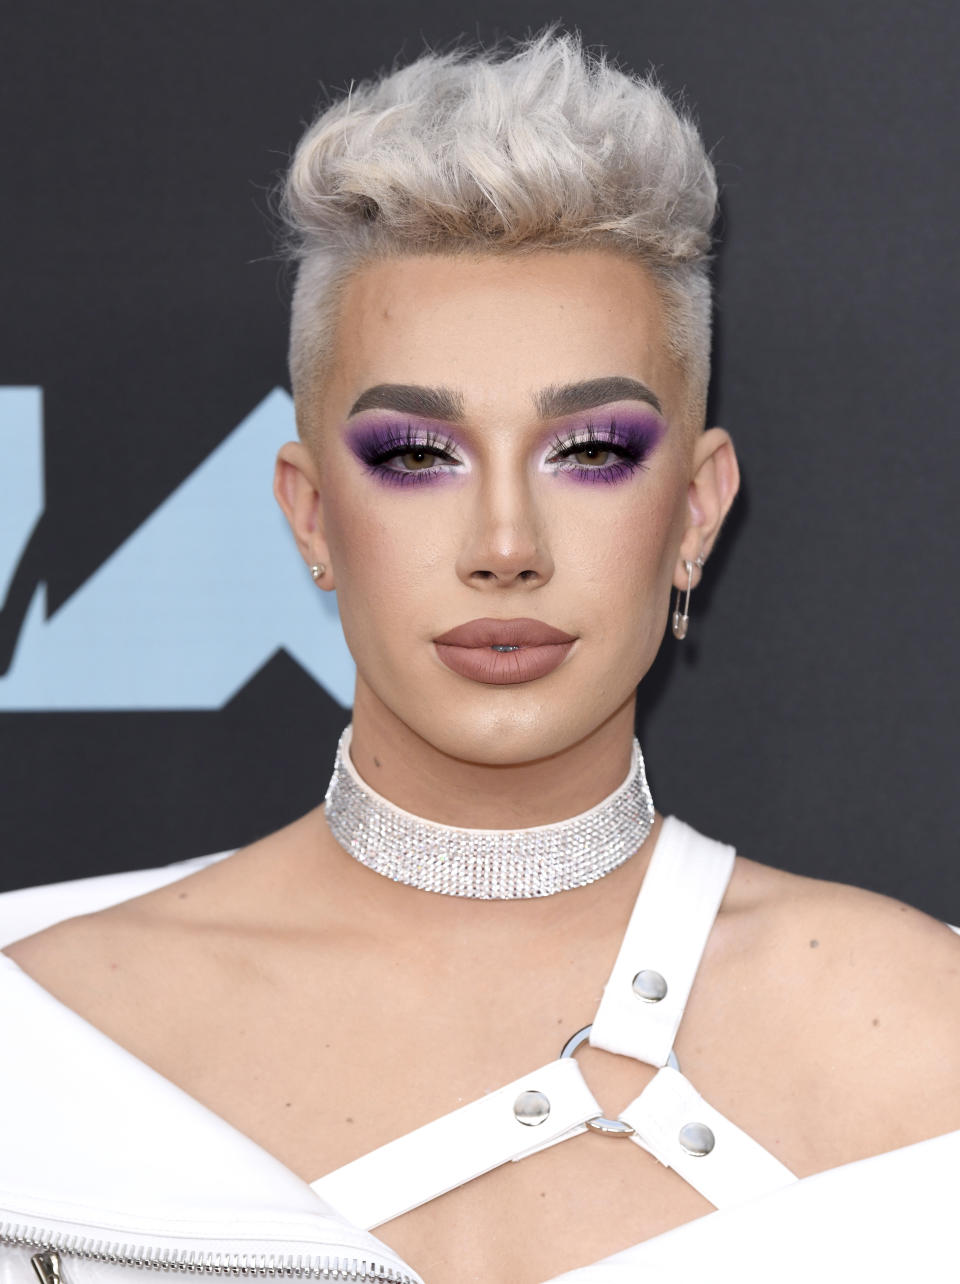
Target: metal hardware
(531,1107)
(600,1123)
(609,1127)
(577,1040)
(681,620)
(697,1139)
(53,1245)
(649,986)
(47,1266)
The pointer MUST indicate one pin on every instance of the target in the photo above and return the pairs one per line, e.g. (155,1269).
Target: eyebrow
(550,403)
(411,399)
(568,398)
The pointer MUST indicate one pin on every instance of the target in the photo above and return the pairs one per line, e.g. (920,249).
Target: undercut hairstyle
(539,145)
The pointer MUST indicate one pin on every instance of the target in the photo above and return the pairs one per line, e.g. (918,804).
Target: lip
(486,632)
(468,650)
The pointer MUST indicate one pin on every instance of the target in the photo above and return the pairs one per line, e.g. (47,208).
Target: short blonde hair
(502,150)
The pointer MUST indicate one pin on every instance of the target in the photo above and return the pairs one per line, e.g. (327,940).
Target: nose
(505,538)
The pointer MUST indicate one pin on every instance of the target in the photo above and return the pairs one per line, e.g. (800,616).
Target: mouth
(504,652)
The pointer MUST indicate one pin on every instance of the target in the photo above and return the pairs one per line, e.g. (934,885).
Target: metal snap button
(697,1139)
(531,1108)
(649,986)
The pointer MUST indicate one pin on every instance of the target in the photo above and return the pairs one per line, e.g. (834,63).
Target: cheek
(384,555)
(628,552)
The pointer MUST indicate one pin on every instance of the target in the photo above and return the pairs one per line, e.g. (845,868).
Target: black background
(809,718)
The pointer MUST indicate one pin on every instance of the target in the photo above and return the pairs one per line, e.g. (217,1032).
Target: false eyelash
(633,450)
(392,443)
(588,436)
(631,447)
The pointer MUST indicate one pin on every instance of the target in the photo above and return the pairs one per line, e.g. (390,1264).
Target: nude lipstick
(503,651)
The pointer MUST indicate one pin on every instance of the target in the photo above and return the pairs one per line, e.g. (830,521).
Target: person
(484,1013)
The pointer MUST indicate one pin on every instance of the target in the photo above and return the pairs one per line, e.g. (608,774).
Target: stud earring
(680,622)
(317,571)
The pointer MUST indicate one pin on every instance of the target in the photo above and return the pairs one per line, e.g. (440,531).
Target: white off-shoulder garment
(108,1168)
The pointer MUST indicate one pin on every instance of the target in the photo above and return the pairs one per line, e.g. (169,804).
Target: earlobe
(295,489)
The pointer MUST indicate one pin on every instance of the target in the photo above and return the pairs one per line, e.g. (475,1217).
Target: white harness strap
(673,1122)
(642,1005)
(554,1100)
(674,913)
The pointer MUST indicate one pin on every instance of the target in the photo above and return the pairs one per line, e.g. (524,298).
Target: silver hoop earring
(317,571)
(680,622)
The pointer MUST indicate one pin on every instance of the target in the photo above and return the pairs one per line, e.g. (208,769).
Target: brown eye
(419,456)
(591,454)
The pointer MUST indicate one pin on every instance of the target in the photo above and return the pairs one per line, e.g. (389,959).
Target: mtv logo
(189,608)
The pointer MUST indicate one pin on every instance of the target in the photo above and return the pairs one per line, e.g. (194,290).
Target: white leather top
(97,1142)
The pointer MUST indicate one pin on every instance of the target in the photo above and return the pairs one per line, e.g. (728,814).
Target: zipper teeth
(297,1266)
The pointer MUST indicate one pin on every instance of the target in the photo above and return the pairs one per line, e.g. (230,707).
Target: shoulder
(26,911)
(68,935)
(872,989)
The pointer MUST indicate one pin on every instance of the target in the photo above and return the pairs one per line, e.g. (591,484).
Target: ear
(712,489)
(297,491)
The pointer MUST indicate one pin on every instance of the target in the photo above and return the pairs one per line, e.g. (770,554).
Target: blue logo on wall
(186,611)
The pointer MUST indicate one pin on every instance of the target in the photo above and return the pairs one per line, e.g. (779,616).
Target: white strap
(735,1167)
(681,892)
(459,1146)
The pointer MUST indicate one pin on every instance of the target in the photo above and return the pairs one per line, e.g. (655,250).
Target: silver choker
(488,864)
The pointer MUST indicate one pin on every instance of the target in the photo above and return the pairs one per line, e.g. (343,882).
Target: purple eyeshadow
(627,439)
(376,444)
(630,438)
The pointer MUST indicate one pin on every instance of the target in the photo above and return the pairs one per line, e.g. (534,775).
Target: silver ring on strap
(600,1123)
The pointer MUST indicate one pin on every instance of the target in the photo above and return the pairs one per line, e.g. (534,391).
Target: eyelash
(632,454)
(632,451)
(412,441)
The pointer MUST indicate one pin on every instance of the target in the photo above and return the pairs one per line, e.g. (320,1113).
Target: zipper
(47,1265)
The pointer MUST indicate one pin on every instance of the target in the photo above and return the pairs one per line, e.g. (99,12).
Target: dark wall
(810,716)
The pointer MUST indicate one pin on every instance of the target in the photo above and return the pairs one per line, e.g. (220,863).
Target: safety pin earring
(680,622)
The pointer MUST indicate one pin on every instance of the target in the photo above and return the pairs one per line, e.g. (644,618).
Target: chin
(502,732)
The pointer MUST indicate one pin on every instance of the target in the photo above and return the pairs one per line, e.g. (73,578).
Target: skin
(506,539)
(324,1010)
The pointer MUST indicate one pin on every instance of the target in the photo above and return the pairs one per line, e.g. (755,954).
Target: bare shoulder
(872,986)
(115,955)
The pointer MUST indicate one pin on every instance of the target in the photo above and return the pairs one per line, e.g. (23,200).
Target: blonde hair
(501,150)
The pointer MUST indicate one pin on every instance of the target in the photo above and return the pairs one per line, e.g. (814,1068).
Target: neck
(414,774)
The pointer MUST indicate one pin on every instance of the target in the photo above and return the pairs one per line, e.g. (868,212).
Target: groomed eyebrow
(569,398)
(550,403)
(411,399)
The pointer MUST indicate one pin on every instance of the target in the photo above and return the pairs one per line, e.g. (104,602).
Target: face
(503,438)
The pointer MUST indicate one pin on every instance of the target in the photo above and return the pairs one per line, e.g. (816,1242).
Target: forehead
(499,328)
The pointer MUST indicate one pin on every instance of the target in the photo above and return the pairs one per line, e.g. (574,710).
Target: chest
(323,1057)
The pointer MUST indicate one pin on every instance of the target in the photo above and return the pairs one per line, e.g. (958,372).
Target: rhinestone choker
(488,864)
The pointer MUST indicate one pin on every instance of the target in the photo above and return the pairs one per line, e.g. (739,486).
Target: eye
(413,460)
(601,455)
(592,452)
(408,455)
